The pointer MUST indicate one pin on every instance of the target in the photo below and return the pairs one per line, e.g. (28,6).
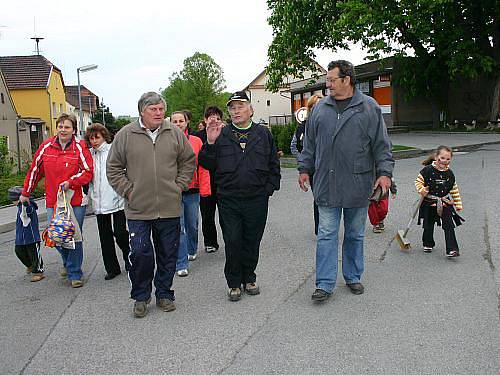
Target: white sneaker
(427,249)
(192,257)
(210,249)
(182,273)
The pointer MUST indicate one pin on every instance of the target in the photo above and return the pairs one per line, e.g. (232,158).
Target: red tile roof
(25,72)
(72,98)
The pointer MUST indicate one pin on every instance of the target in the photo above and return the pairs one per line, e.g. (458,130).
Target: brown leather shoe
(356,288)
(37,277)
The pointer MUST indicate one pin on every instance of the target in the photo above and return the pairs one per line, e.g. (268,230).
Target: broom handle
(419,202)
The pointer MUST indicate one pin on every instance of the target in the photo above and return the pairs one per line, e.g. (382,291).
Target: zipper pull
(338,116)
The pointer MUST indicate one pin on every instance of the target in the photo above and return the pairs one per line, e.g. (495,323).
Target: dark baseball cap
(240,96)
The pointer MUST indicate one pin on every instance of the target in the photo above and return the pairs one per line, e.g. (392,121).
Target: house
(90,103)
(22,138)
(375,79)
(37,88)
(274,108)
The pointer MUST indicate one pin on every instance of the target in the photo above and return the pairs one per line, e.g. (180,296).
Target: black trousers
(30,256)
(242,221)
(448,228)
(113,226)
(207,208)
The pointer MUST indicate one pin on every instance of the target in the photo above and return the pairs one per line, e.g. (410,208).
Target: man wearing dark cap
(244,160)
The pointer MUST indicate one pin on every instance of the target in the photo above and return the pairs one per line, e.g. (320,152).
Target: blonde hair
(312,102)
(432,157)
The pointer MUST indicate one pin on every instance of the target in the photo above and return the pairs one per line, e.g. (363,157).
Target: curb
(405,154)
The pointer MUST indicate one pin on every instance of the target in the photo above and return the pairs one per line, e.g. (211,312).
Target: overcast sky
(138,47)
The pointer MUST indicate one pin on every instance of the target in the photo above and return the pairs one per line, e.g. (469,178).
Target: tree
(435,42)
(198,85)
(108,117)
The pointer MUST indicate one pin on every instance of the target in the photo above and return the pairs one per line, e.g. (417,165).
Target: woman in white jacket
(108,205)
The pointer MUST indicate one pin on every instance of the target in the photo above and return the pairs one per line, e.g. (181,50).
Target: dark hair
(432,157)
(97,128)
(183,113)
(71,118)
(188,115)
(213,110)
(346,69)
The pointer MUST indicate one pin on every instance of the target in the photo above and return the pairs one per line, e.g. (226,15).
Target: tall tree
(435,42)
(199,84)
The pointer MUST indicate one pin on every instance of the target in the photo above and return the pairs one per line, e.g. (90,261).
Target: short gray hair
(150,98)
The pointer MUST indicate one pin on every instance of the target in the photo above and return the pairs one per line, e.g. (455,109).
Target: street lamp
(102,108)
(82,69)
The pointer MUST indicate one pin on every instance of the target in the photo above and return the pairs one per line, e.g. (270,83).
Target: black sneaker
(356,288)
(320,295)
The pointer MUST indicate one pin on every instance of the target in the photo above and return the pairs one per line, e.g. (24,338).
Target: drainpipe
(18,120)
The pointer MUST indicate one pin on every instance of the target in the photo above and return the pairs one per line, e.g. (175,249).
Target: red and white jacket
(74,164)
(201,177)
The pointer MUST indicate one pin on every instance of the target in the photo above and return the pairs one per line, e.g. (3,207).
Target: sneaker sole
(168,308)
(320,299)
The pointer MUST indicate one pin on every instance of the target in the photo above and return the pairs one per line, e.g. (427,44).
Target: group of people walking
(155,176)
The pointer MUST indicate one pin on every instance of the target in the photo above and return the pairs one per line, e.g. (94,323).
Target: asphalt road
(420,314)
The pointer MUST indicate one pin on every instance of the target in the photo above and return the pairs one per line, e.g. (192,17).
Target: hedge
(17,180)
(283,135)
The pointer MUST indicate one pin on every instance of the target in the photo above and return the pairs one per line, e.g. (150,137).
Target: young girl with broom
(436,183)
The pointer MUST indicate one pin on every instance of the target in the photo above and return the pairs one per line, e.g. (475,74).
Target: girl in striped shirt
(436,183)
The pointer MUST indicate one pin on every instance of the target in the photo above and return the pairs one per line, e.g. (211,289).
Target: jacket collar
(55,143)
(136,127)
(103,148)
(357,99)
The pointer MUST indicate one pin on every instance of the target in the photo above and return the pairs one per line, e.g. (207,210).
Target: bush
(5,160)
(283,135)
(17,180)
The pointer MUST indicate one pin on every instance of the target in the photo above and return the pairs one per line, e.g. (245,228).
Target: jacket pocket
(226,159)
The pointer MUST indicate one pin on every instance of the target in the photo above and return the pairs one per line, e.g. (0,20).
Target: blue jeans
(352,247)
(165,233)
(72,258)
(188,243)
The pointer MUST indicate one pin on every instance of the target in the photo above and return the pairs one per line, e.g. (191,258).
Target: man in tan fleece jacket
(150,163)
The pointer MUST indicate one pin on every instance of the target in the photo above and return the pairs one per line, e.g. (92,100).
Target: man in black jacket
(246,167)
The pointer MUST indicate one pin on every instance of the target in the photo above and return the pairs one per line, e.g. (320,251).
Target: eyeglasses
(332,79)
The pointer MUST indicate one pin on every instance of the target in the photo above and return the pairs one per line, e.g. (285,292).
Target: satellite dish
(301,114)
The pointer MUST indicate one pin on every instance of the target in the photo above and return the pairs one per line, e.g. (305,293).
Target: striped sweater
(440,183)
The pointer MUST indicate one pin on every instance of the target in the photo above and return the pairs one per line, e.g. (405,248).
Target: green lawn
(401,148)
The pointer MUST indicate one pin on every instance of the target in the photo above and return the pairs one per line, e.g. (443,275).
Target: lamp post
(82,69)
(102,108)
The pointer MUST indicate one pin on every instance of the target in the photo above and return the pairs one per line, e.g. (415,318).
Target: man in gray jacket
(347,148)
(150,163)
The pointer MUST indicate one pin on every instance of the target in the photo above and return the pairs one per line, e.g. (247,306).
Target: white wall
(279,105)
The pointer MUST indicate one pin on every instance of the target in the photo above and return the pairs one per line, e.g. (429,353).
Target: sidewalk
(423,142)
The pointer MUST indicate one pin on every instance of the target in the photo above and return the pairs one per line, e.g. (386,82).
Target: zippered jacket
(73,164)
(201,177)
(26,235)
(105,200)
(248,172)
(150,176)
(346,151)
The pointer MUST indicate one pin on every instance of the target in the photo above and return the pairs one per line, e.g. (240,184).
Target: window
(268,103)
(60,108)
(54,110)
(2,98)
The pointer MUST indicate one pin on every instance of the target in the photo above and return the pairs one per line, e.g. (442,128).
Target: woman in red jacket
(200,185)
(66,163)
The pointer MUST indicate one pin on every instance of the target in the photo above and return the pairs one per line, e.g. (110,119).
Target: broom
(404,243)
